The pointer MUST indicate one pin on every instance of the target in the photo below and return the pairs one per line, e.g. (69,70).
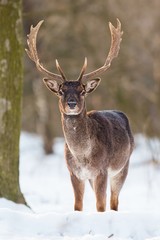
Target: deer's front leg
(78,187)
(100,185)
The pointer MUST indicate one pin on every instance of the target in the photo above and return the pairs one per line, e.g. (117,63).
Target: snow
(45,183)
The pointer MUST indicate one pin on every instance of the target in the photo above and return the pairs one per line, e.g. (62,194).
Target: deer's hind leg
(117,182)
(78,187)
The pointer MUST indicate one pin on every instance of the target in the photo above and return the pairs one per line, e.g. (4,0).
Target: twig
(111,235)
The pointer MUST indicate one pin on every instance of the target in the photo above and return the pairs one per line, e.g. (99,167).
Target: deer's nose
(72,103)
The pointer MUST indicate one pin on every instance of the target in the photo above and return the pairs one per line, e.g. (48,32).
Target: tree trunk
(11,74)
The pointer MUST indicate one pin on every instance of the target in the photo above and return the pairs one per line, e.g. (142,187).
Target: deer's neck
(76,132)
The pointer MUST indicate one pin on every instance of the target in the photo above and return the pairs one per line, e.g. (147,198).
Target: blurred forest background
(75,29)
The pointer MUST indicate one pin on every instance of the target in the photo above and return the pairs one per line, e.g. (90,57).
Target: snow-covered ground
(46,186)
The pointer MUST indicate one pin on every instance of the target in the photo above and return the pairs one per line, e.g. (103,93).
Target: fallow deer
(98,143)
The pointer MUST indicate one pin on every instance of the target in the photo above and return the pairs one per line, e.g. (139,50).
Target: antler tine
(82,70)
(60,70)
(116,37)
(32,52)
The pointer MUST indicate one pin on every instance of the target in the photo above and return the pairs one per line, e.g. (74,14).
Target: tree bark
(11,75)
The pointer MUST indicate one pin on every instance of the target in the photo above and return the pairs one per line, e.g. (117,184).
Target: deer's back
(112,130)
(111,123)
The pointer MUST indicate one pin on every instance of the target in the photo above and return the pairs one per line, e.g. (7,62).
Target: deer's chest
(83,165)
(86,172)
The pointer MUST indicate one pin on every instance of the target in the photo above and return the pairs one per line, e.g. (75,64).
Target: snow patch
(78,225)
(46,185)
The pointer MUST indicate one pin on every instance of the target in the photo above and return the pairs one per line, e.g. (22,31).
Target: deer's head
(72,93)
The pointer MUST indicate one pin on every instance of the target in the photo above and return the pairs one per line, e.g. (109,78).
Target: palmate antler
(32,52)
(116,37)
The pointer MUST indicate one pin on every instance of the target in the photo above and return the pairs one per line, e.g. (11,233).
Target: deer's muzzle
(72,103)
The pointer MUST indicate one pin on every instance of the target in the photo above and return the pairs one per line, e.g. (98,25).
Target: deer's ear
(91,85)
(52,85)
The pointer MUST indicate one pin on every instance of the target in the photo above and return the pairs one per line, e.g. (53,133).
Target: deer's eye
(61,92)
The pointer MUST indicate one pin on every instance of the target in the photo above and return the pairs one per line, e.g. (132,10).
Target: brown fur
(98,143)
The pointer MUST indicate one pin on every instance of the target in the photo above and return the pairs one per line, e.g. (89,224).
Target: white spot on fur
(85,174)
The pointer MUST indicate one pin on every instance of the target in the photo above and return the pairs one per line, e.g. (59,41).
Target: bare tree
(11,74)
